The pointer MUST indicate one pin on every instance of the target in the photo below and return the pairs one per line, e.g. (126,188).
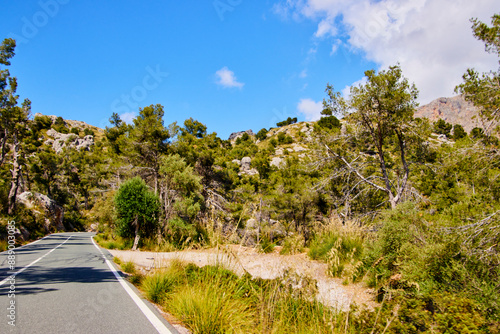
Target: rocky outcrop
(245,167)
(277,162)
(235,135)
(53,212)
(454,110)
(60,140)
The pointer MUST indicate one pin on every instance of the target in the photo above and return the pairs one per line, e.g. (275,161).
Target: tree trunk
(137,236)
(16,172)
(4,142)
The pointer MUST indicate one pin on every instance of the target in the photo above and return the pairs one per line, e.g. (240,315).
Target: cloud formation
(227,79)
(128,117)
(310,109)
(431,39)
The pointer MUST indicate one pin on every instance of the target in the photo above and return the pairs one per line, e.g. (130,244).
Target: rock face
(454,110)
(245,167)
(277,162)
(61,140)
(235,135)
(54,213)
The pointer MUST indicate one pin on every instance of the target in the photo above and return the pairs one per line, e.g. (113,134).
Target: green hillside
(409,207)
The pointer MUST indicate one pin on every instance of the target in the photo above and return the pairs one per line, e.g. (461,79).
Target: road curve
(64,283)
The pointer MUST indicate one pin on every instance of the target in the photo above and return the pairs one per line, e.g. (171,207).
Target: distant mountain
(454,110)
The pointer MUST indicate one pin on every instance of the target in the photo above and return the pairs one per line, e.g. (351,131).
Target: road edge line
(153,319)
(32,263)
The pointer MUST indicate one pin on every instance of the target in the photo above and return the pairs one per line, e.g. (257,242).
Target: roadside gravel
(331,291)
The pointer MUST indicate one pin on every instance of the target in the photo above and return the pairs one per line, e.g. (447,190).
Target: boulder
(21,234)
(54,213)
(93,227)
(245,163)
(277,162)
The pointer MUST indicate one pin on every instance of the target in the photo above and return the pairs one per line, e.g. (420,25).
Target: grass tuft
(128,267)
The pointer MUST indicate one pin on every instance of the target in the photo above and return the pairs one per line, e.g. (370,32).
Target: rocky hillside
(454,110)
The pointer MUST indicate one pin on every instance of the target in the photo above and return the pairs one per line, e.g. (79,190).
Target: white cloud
(128,117)
(346,92)
(303,74)
(227,79)
(326,28)
(431,39)
(310,109)
(335,46)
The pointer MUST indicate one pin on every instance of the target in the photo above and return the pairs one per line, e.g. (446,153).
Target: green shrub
(339,251)
(157,286)
(88,132)
(128,267)
(211,307)
(284,139)
(262,134)
(329,122)
(42,122)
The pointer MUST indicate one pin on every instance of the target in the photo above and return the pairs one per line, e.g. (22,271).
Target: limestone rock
(298,148)
(454,110)
(245,163)
(235,135)
(62,140)
(54,213)
(245,167)
(277,162)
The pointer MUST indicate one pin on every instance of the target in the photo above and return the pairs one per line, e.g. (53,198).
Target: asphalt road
(64,284)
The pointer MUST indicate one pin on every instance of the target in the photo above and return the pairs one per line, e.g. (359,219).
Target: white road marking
(32,263)
(160,327)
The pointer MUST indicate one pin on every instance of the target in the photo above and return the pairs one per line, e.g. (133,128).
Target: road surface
(64,283)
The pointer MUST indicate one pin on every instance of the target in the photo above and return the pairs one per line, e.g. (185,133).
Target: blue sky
(231,64)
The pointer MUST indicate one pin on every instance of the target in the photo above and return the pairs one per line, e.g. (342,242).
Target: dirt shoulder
(331,291)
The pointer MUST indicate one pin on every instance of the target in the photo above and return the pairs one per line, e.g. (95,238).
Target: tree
(137,209)
(194,128)
(484,89)
(262,134)
(288,121)
(458,132)
(441,127)
(13,120)
(179,182)
(116,135)
(383,108)
(149,140)
(181,195)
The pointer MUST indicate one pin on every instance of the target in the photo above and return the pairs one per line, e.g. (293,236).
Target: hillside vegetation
(407,206)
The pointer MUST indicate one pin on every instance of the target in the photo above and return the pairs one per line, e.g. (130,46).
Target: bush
(158,286)
(288,121)
(329,122)
(284,139)
(88,132)
(441,127)
(458,132)
(42,122)
(137,209)
(128,267)
(262,134)
(341,252)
